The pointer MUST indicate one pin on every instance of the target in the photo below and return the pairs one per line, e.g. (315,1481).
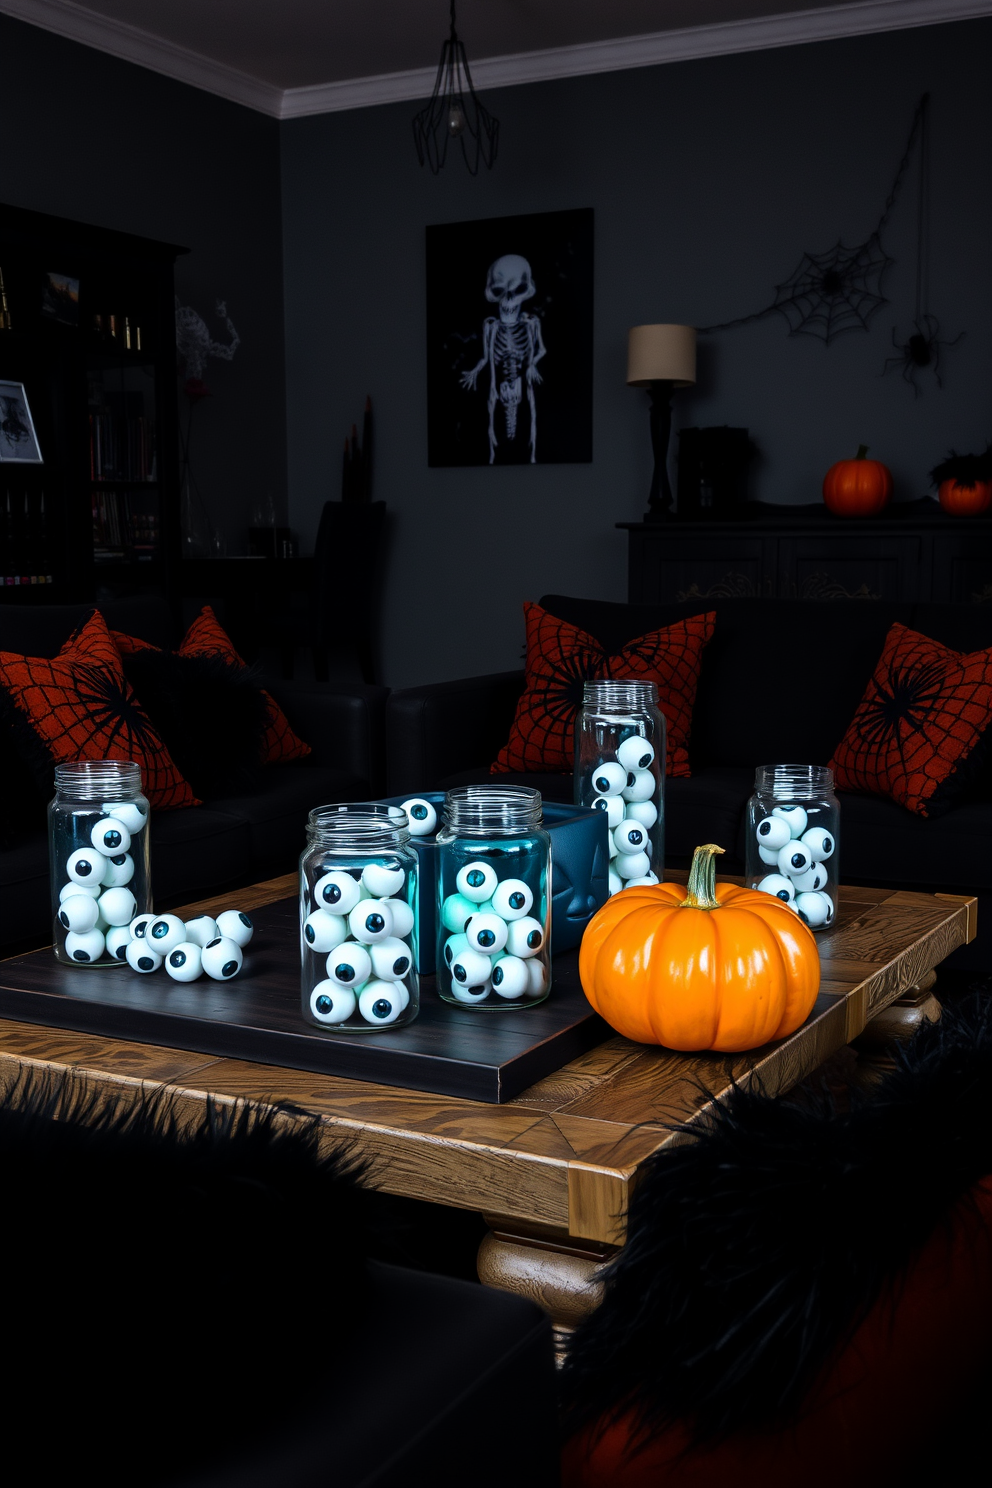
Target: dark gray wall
(89,137)
(709,179)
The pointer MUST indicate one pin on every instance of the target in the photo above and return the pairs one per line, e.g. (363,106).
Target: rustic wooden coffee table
(550,1170)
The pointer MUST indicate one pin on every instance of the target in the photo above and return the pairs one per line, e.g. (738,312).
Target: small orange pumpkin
(965,498)
(711,966)
(858,487)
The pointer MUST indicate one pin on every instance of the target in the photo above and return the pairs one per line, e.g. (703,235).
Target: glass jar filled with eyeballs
(358,932)
(494,906)
(98,858)
(620,770)
(793,824)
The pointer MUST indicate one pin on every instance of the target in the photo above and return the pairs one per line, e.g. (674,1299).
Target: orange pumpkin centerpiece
(964,483)
(710,966)
(858,487)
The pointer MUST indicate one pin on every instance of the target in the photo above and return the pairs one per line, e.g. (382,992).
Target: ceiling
(308,56)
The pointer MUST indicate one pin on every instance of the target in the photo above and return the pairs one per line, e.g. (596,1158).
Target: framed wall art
(18,440)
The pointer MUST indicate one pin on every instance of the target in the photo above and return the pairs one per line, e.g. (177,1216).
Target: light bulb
(456,120)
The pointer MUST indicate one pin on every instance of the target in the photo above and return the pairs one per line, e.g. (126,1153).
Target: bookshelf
(87,328)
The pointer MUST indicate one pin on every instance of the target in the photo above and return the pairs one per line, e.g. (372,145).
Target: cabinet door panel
(962,567)
(823,567)
(665,567)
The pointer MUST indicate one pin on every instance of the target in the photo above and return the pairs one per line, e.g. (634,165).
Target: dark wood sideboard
(912,552)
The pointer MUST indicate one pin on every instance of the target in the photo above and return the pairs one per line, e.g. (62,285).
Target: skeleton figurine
(512,346)
(194,342)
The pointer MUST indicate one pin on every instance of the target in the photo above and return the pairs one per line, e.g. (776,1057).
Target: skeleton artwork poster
(509,333)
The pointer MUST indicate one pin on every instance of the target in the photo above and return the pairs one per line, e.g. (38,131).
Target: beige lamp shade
(661,353)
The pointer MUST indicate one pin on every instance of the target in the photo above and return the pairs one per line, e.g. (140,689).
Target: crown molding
(760,33)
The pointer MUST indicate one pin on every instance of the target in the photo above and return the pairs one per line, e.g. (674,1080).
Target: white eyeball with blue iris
(455,911)
(164,933)
(185,962)
(636,753)
(813,881)
(86,865)
(772,833)
(820,842)
(470,967)
(110,836)
(794,817)
(632,865)
(794,859)
(117,906)
(201,930)
(332,1004)
(402,917)
(130,813)
(612,809)
(349,966)
(337,891)
(380,1003)
(118,939)
(513,899)
(371,920)
(141,958)
(477,993)
(509,977)
(777,884)
(86,947)
(221,959)
(453,946)
(630,837)
(476,882)
(139,926)
(118,872)
(421,815)
(609,779)
(486,933)
(93,890)
(382,881)
(391,959)
(79,913)
(236,926)
(524,937)
(322,931)
(815,909)
(641,786)
(646,812)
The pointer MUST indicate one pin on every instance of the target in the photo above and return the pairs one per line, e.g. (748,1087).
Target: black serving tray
(484,1056)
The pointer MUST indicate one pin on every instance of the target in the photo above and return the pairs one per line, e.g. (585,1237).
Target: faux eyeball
(612,809)
(378,1003)
(641,883)
(117,907)
(139,926)
(476,882)
(537,977)
(130,813)
(777,884)
(402,917)
(630,837)
(646,812)
(478,993)
(330,1003)
(633,865)
(509,977)
(140,957)
(185,963)
(79,913)
(86,865)
(391,959)
(88,946)
(202,930)
(221,959)
(110,836)
(794,817)
(772,832)
(93,890)
(641,786)
(455,911)
(401,994)
(636,753)
(119,871)
(371,920)
(524,937)
(421,816)
(513,899)
(322,931)
(815,909)
(337,891)
(235,925)
(382,881)
(118,939)
(454,946)
(614,882)
(769,855)
(794,859)
(164,933)
(470,967)
(820,843)
(349,966)
(813,881)
(486,933)
(609,779)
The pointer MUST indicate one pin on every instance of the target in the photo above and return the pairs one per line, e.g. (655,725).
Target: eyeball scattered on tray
(222,959)
(201,930)
(150,941)
(185,963)
(139,926)
(140,957)
(421,816)
(164,933)
(235,925)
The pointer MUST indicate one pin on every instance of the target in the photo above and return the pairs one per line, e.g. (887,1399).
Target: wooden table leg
(554,1270)
(894,1025)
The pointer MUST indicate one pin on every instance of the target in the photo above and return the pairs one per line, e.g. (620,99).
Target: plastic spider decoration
(921,351)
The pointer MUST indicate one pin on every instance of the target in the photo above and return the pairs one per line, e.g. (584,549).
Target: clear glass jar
(98,860)
(620,770)
(494,898)
(793,836)
(358,929)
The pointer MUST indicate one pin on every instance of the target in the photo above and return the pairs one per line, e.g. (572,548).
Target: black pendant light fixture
(455,113)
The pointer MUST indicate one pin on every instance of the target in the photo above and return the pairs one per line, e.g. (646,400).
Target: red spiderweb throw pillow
(80,706)
(914,735)
(561,657)
(207,637)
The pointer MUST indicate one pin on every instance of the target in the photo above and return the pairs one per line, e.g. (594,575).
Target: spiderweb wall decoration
(839,290)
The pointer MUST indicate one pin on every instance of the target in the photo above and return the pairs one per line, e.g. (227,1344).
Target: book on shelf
(124,526)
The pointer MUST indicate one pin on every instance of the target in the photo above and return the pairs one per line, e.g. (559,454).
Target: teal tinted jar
(494,904)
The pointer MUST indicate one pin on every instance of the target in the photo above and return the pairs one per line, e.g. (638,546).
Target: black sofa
(227,842)
(780,681)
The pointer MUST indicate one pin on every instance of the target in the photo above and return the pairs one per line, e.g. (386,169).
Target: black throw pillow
(211,715)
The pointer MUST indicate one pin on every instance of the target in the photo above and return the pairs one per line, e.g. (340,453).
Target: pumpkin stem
(701,888)
(862,452)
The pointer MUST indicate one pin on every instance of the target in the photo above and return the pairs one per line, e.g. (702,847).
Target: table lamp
(661,358)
